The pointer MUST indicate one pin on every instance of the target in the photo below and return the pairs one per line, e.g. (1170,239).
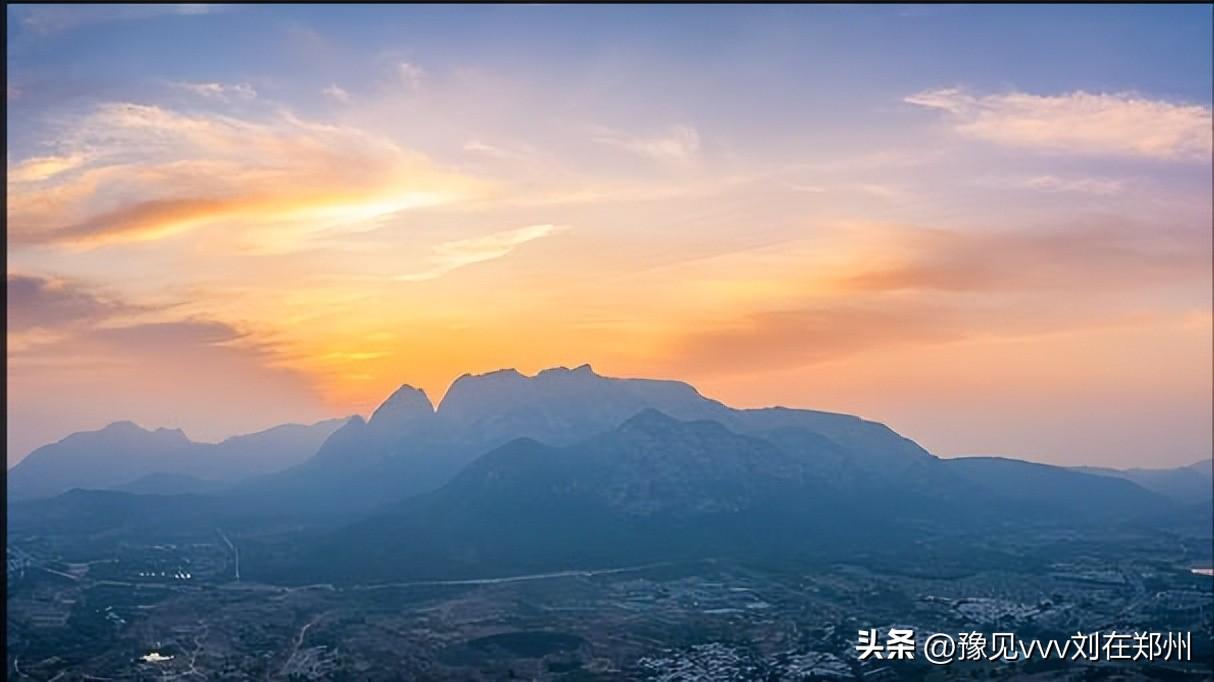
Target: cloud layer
(680,144)
(222,91)
(48,19)
(1079,122)
(451,255)
(74,349)
(894,286)
(50,304)
(131,172)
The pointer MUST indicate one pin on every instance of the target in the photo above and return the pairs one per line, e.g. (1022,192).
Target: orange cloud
(1105,254)
(766,340)
(154,173)
(87,357)
(882,288)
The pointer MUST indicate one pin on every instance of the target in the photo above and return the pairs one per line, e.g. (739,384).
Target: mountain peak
(582,370)
(474,389)
(510,373)
(504,373)
(406,402)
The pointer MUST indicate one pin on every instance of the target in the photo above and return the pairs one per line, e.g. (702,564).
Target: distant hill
(1045,489)
(170,484)
(1192,483)
(123,453)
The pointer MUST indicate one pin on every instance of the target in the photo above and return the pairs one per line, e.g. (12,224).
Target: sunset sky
(988,227)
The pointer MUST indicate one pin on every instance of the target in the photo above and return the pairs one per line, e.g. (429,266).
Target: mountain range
(569,468)
(125,455)
(656,488)
(408,446)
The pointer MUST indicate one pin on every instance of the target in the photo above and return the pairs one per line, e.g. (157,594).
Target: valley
(73,614)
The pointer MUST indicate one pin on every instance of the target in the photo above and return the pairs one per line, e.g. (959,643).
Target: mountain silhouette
(1193,483)
(122,453)
(567,468)
(407,448)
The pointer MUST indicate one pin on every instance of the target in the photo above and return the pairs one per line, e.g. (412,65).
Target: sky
(987,227)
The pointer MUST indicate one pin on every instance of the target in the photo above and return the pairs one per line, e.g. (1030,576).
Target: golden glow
(314,266)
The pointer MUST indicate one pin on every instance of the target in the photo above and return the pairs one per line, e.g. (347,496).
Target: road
(299,639)
(193,669)
(515,578)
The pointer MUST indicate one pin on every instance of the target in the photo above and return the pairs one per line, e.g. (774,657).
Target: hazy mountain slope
(871,445)
(96,520)
(559,406)
(642,491)
(169,484)
(123,452)
(1032,489)
(656,488)
(116,454)
(1192,483)
(262,452)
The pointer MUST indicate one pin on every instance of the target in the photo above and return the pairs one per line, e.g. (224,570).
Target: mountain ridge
(565,468)
(123,452)
(657,488)
(390,459)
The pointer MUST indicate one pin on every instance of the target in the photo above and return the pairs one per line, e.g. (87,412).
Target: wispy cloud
(681,143)
(48,19)
(39,168)
(889,287)
(47,303)
(884,192)
(1099,186)
(457,254)
(336,93)
(154,172)
(411,75)
(1096,255)
(223,91)
(80,354)
(1079,122)
(48,316)
(795,337)
(477,146)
